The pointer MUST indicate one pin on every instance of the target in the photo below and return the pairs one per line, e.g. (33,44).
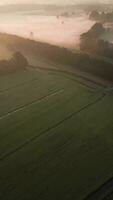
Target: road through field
(41,63)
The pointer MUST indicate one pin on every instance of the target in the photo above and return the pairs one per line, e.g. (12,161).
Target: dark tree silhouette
(19,60)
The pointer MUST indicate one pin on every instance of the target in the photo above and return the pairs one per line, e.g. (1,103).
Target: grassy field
(56,137)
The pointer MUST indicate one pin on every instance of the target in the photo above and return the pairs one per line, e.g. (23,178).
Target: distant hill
(18,7)
(101,16)
(28,7)
(88,63)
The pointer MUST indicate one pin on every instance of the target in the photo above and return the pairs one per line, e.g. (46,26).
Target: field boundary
(71,74)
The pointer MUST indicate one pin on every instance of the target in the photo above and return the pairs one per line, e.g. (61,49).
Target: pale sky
(53,1)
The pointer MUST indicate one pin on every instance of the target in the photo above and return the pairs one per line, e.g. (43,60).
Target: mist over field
(46,26)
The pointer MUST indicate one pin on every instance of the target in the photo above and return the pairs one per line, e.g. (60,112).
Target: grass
(56,137)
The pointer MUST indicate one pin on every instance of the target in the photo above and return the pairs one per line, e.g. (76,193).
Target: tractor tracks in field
(21,108)
(18,85)
(34,138)
(102,192)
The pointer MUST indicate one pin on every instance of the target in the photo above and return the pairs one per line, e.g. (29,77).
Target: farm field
(56,137)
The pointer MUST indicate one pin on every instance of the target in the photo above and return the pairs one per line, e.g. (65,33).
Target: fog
(62,31)
(5,54)
(54,1)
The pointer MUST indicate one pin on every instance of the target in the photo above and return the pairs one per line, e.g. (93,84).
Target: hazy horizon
(5,2)
(46,27)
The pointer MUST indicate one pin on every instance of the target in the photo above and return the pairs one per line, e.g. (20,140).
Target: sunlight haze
(53,1)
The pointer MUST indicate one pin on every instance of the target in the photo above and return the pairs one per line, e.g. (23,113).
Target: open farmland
(56,137)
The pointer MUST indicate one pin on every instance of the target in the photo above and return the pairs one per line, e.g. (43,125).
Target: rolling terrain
(52,141)
(49,56)
(56,127)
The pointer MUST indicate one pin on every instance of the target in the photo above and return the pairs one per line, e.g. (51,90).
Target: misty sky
(53,1)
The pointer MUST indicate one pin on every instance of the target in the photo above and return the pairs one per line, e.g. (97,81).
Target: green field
(56,137)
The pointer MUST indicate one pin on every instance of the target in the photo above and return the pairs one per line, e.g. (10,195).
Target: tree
(19,60)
